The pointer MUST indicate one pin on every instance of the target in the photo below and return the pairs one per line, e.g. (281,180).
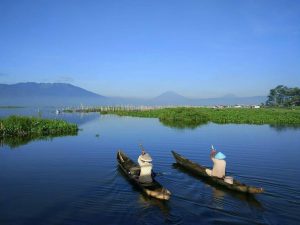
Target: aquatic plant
(226,115)
(21,126)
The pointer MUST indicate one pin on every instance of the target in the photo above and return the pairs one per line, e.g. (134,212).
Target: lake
(76,179)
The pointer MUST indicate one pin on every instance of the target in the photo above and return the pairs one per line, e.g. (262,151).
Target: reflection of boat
(200,171)
(146,201)
(218,192)
(132,170)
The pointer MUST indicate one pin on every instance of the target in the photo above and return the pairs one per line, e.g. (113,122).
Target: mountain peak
(170,94)
(170,97)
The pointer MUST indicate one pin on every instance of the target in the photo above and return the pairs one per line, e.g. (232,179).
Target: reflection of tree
(182,124)
(14,142)
(281,127)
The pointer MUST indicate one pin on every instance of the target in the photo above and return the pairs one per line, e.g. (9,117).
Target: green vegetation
(189,117)
(17,130)
(284,96)
(172,117)
(25,126)
(10,107)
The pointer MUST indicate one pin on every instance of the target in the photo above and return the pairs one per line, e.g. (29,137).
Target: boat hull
(131,170)
(200,170)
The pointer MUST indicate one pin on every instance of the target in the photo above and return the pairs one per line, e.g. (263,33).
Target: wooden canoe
(132,170)
(200,170)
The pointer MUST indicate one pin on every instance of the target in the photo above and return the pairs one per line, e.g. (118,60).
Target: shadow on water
(14,142)
(145,199)
(221,191)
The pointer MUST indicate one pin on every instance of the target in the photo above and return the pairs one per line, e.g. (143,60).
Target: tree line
(284,96)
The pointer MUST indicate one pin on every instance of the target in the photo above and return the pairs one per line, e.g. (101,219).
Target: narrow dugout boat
(200,170)
(132,171)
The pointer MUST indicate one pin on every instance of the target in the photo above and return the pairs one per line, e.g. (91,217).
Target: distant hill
(26,94)
(233,100)
(170,97)
(62,94)
(44,90)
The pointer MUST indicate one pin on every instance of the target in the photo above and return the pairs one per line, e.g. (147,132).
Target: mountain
(170,97)
(31,89)
(63,94)
(232,100)
(27,94)
(170,94)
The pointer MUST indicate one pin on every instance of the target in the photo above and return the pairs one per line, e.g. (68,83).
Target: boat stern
(163,194)
(255,190)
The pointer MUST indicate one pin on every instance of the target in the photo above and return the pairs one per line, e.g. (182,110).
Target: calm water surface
(76,179)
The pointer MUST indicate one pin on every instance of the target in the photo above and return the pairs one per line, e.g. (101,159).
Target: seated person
(145,162)
(219,164)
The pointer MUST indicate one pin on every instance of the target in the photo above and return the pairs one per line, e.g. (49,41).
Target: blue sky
(198,48)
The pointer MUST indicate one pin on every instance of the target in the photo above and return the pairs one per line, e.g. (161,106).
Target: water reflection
(182,124)
(193,125)
(147,201)
(282,128)
(218,198)
(220,192)
(14,142)
(76,181)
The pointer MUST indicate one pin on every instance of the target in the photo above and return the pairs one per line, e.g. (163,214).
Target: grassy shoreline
(194,116)
(21,126)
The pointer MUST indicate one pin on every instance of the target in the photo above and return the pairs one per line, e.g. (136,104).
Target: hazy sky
(198,48)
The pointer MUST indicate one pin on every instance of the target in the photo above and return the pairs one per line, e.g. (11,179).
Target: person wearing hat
(219,164)
(145,162)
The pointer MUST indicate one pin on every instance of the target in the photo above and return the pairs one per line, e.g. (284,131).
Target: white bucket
(228,180)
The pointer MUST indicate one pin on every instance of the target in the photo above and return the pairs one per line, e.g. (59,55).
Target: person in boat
(145,162)
(219,166)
